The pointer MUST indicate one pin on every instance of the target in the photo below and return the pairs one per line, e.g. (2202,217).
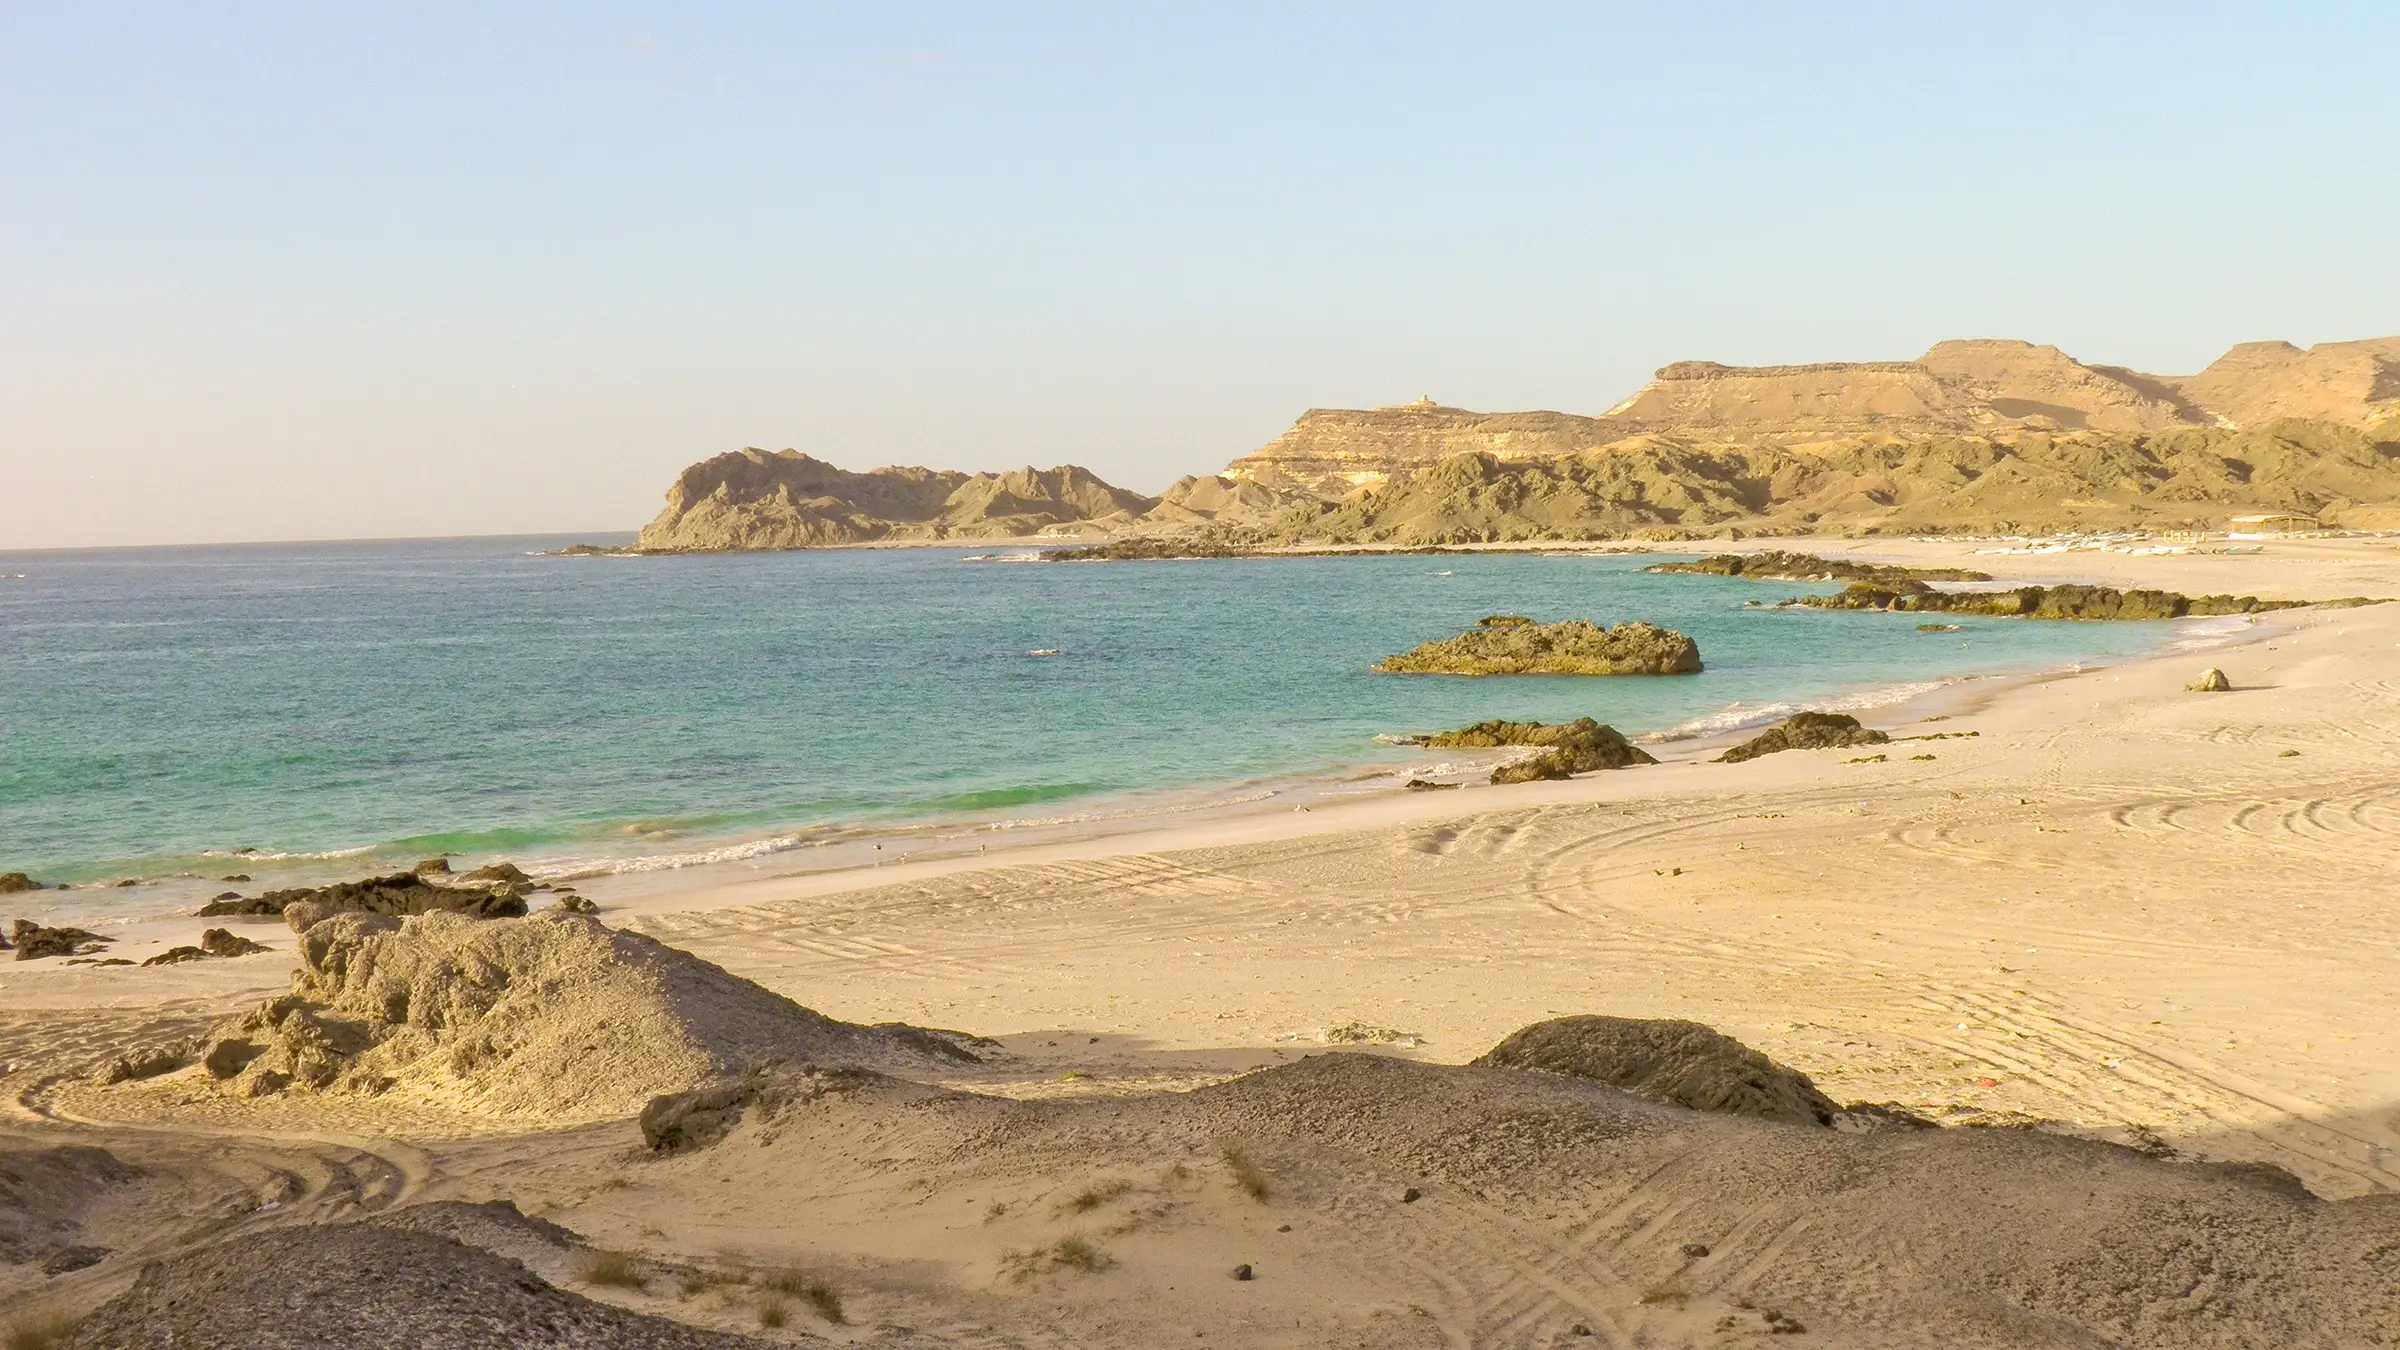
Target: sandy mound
(552,1016)
(44,1194)
(1805,731)
(1679,1063)
(1502,1207)
(366,1287)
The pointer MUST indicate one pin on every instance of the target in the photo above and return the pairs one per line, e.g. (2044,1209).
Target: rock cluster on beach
(1805,731)
(216,943)
(2042,602)
(1777,565)
(14,883)
(1568,748)
(34,941)
(1509,644)
(493,893)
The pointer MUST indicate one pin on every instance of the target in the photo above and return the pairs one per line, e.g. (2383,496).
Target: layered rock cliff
(751,499)
(1985,388)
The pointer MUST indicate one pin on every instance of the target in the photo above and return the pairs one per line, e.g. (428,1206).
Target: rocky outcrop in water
(1568,748)
(15,883)
(1678,1063)
(1805,731)
(751,499)
(497,897)
(1777,565)
(2041,602)
(1509,644)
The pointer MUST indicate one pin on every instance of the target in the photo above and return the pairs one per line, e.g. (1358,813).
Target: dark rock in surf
(1805,731)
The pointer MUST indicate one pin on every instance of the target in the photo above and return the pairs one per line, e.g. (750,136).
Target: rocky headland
(1982,436)
(1510,644)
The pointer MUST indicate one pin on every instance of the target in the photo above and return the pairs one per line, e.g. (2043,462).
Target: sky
(329,271)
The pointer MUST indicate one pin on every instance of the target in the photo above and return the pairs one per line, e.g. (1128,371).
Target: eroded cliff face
(1992,388)
(754,499)
(2188,477)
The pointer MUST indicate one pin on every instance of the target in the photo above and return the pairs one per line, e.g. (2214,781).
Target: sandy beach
(2093,902)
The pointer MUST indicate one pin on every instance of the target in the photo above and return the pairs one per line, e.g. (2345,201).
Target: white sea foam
(1743,716)
(2201,634)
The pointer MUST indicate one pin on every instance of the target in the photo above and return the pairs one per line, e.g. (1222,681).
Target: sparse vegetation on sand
(1072,1252)
(38,1331)
(1094,1196)
(1247,1174)
(613,1270)
(773,1311)
(814,1290)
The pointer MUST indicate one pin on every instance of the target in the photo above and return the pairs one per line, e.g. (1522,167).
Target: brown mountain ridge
(1978,435)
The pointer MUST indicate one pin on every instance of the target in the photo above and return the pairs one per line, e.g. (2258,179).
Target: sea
(286,714)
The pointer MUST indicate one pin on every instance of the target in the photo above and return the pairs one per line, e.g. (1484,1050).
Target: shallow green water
(162,708)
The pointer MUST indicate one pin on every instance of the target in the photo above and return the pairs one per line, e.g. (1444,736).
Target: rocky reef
(2041,602)
(1805,731)
(1777,565)
(1568,748)
(1510,644)
(495,893)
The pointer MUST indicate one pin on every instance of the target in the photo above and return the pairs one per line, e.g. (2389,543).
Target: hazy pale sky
(310,271)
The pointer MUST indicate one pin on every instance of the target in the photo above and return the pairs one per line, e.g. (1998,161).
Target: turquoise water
(162,708)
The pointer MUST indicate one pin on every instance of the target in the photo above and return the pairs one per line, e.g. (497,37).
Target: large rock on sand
(34,941)
(13,883)
(1805,731)
(1678,1063)
(1510,644)
(553,1016)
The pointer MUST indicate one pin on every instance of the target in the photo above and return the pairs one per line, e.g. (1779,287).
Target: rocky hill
(1979,436)
(1980,388)
(753,499)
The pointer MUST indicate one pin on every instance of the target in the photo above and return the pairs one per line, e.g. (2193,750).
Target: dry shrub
(616,1270)
(38,1331)
(1247,1174)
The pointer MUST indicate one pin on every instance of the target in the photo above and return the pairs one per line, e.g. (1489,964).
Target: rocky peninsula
(1511,644)
(2048,602)
(1777,565)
